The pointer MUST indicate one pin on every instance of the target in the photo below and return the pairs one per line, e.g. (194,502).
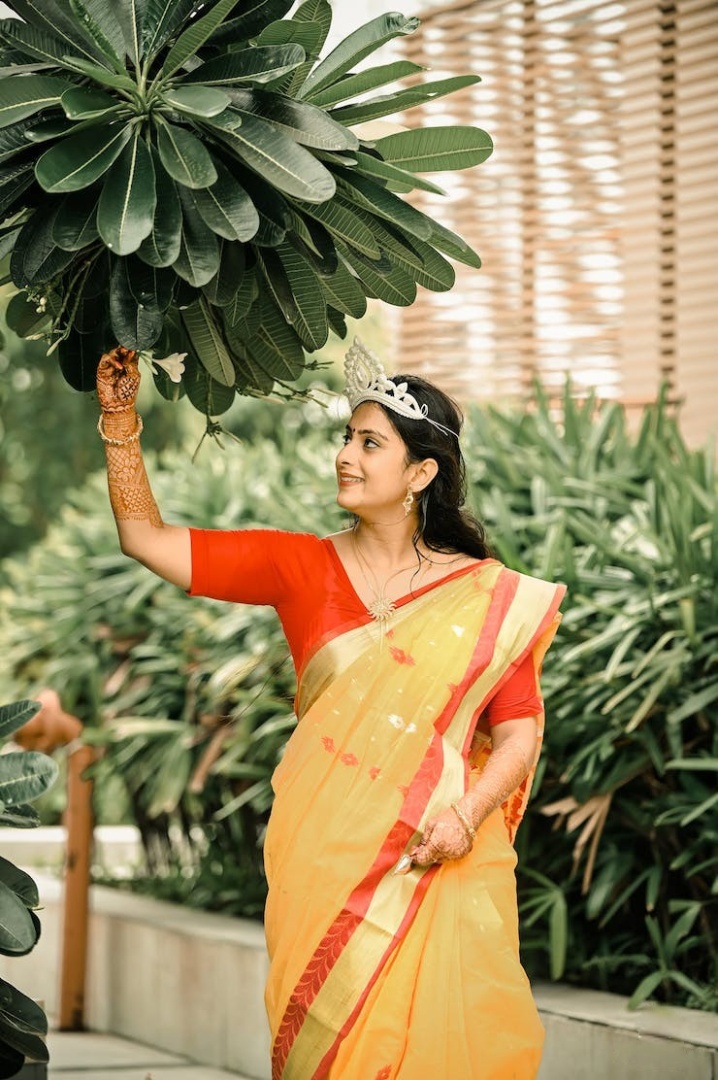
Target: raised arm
(164,549)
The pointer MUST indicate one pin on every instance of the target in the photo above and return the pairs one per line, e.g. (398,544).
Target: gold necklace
(382,607)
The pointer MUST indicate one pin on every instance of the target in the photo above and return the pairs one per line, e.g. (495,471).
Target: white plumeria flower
(173,365)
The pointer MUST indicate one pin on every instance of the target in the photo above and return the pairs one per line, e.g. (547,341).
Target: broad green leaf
(97,18)
(151,286)
(277,284)
(133,326)
(162,246)
(53,17)
(279,160)
(83,103)
(15,139)
(22,1010)
(198,259)
(161,19)
(227,208)
(275,346)
(21,883)
(344,292)
(435,273)
(22,96)
(130,15)
(79,160)
(370,195)
(194,37)
(396,288)
(453,246)
(27,1042)
(17,713)
(408,98)
(32,41)
(242,301)
(304,33)
(311,321)
(184,157)
(255,65)
(114,79)
(75,225)
(14,180)
(337,322)
(17,929)
(53,129)
(197,100)
(79,355)
(36,259)
(366,39)
(344,224)
(25,775)
(23,318)
(694,703)
(363,81)
(20,817)
(206,394)
(125,214)
(433,149)
(208,342)
(302,122)
(222,289)
(398,178)
(256,15)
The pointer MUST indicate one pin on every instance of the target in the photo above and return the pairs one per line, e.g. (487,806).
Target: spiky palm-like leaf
(184,177)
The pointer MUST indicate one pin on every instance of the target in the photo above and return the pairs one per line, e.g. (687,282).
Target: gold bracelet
(468,827)
(120,442)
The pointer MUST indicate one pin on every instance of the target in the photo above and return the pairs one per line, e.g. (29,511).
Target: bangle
(468,827)
(120,442)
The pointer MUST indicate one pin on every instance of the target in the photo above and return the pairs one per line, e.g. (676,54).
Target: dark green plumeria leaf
(14,180)
(194,37)
(302,122)
(36,258)
(17,929)
(436,148)
(32,41)
(17,713)
(227,208)
(77,161)
(355,47)
(83,102)
(162,18)
(370,165)
(21,883)
(115,79)
(198,258)
(222,288)
(22,316)
(402,99)
(205,333)
(130,16)
(22,96)
(206,394)
(197,100)
(125,214)
(255,65)
(162,246)
(75,225)
(152,287)
(97,18)
(24,776)
(361,82)
(256,15)
(278,159)
(21,1010)
(311,319)
(54,17)
(133,326)
(184,157)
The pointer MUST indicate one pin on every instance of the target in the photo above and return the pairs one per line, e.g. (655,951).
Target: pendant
(381,609)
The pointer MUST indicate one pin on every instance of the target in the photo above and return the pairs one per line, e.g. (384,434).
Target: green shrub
(618,866)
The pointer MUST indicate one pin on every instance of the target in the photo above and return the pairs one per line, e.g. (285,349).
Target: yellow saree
(375,976)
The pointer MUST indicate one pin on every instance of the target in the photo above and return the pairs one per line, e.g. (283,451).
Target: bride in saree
(391,919)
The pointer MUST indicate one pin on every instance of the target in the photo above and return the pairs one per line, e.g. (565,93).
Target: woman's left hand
(444,838)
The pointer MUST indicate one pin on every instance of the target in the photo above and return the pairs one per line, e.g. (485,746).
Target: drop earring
(408,502)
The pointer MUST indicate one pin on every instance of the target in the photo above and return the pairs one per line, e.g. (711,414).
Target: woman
(391,920)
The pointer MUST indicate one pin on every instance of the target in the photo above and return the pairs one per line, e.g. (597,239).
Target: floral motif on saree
(388,736)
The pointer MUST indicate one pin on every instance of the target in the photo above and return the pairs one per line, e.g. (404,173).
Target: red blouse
(303,578)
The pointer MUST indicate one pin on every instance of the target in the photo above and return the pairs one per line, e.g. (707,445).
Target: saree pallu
(375,976)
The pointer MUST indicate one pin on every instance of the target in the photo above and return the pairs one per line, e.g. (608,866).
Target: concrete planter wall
(192,983)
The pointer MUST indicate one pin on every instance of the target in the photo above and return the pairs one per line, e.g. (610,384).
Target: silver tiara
(366,380)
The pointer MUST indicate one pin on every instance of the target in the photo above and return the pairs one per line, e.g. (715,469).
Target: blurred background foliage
(191,700)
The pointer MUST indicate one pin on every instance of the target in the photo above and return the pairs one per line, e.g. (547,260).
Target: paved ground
(89,1056)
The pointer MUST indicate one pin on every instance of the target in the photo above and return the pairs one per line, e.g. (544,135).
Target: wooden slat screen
(597,215)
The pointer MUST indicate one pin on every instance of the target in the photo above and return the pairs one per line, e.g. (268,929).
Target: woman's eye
(369,444)
(345,439)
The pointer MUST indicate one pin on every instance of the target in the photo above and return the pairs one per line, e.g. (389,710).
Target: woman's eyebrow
(367,431)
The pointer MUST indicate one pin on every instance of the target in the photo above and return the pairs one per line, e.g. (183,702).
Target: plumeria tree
(191,177)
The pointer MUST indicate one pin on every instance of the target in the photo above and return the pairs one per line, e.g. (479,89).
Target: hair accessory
(120,442)
(366,380)
(468,827)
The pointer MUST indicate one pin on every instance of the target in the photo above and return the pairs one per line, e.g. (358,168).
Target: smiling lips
(345,479)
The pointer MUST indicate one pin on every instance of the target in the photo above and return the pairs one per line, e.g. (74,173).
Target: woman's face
(372,470)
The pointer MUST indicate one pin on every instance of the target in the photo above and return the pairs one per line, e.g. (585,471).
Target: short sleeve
(518,697)
(246,566)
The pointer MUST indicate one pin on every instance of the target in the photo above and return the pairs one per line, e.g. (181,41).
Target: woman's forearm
(131,498)
(507,766)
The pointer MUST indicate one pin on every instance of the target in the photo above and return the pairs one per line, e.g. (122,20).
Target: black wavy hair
(444,523)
